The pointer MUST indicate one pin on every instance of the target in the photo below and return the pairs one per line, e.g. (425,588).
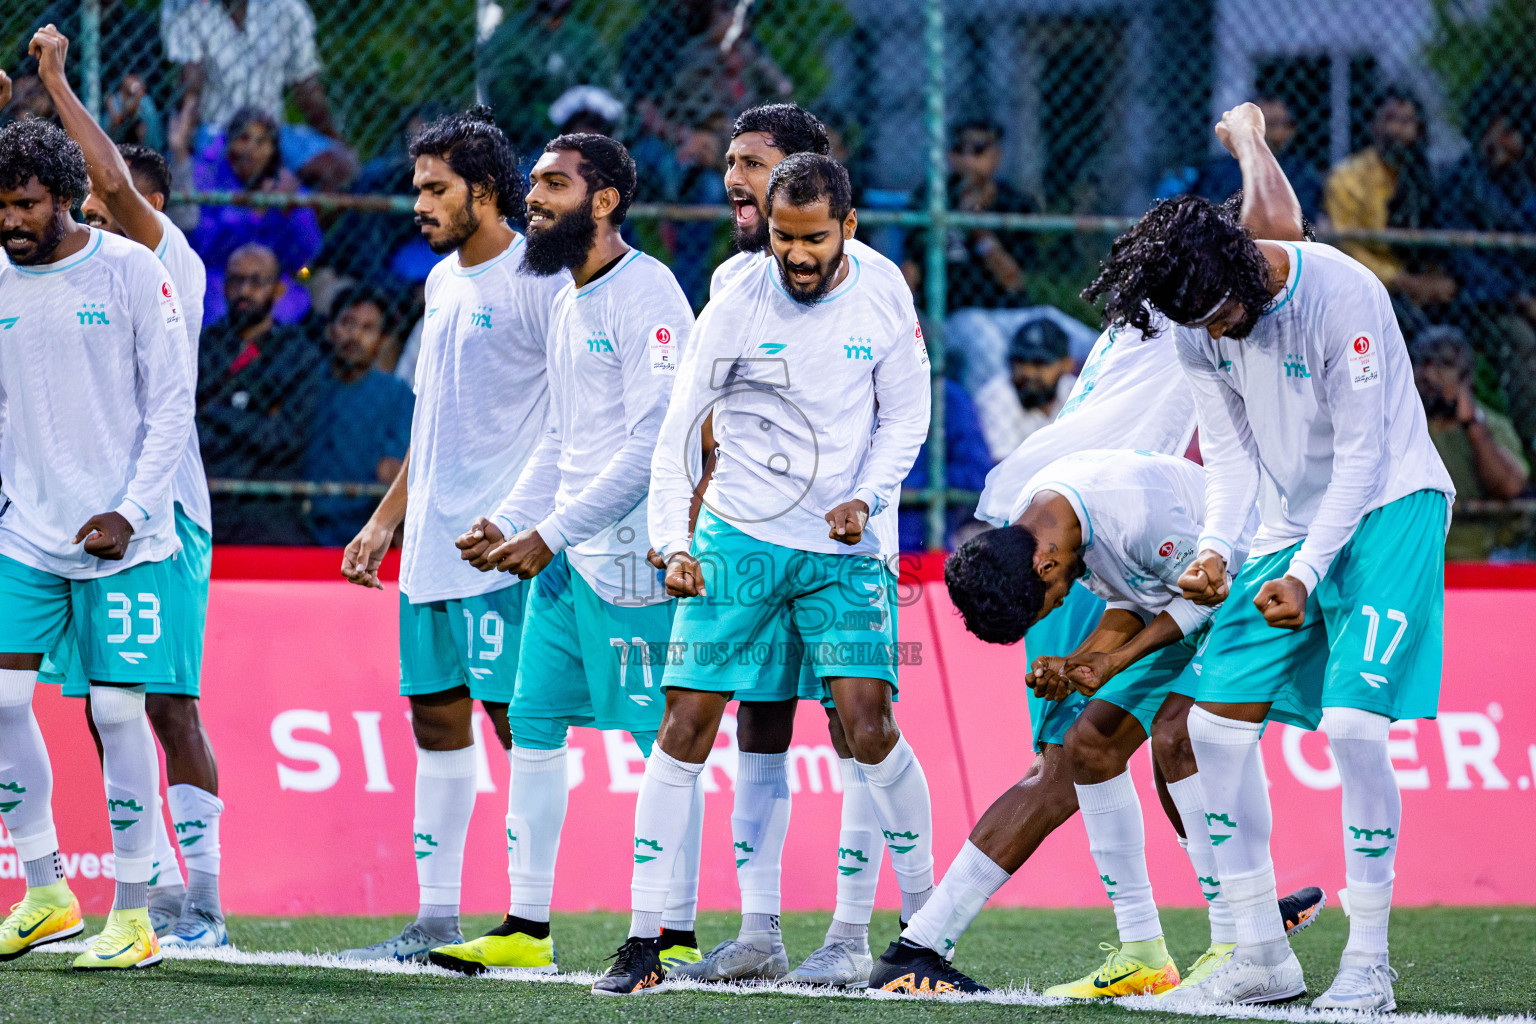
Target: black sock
(534,929)
(677,937)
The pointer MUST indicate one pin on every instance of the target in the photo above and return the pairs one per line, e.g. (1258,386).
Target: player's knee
(871,737)
(502,725)
(1090,753)
(691,721)
(1171,749)
(115,705)
(174,717)
(765,728)
(441,726)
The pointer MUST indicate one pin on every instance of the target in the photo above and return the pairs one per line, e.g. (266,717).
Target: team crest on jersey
(663,350)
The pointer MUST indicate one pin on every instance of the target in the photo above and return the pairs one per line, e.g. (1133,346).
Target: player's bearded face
(560,241)
(441,238)
(31,236)
(749,228)
(808,247)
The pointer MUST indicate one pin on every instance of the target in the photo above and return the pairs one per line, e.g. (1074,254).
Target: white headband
(1208,317)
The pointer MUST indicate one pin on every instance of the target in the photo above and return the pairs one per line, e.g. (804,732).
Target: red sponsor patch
(1362,344)
(663,336)
(1166,549)
(165,288)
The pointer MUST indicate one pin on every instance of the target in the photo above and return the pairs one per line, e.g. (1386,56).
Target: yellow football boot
(127,943)
(679,948)
(503,946)
(48,913)
(1218,954)
(1121,975)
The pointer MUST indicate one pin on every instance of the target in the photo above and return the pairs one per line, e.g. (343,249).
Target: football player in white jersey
(813,373)
(95,410)
(1130,394)
(129,188)
(594,647)
(480,406)
(760,138)
(1307,405)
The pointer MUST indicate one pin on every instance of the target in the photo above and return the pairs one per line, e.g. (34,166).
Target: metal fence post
(935,280)
(90,52)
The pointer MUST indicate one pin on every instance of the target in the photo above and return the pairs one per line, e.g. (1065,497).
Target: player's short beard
(53,234)
(818,291)
(754,240)
(564,244)
(460,229)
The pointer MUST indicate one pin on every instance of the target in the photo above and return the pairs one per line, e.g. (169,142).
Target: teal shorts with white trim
(465,641)
(1142,688)
(185,599)
(1058,635)
(764,602)
(587,662)
(1373,637)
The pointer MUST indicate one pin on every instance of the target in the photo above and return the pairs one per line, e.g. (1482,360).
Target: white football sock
(759,824)
(130,767)
(1238,816)
(196,812)
(860,849)
(683,895)
(26,778)
(899,791)
(445,798)
(537,799)
(167,872)
(1373,819)
(970,881)
(661,828)
(1189,798)
(1117,840)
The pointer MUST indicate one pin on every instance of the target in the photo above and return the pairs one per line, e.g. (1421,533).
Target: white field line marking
(1300,1014)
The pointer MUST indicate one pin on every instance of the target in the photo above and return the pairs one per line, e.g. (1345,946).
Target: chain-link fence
(996,147)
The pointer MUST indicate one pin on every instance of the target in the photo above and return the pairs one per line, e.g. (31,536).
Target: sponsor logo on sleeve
(1364,362)
(663,350)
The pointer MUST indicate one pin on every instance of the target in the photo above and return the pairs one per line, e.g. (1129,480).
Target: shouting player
(129,187)
(480,406)
(97,399)
(760,139)
(1307,405)
(1130,394)
(595,642)
(813,372)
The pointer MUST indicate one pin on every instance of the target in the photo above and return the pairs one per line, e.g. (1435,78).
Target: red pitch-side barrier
(317,765)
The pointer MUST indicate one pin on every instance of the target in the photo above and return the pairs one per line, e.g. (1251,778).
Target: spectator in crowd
(1220,176)
(362,421)
(238,55)
(533,57)
(698,246)
(1039,379)
(130,65)
(586,109)
(986,267)
(1390,184)
(1480,448)
(27,98)
(966,464)
(721,72)
(256,390)
(1492,188)
(250,160)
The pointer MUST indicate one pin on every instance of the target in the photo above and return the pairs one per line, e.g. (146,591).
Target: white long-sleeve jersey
(95,405)
(1141,514)
(614,350)
(1131,394)
(1314,414)
(812,406)
(189,487)
(481,399)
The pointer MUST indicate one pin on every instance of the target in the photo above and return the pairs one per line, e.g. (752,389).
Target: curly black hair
(792,128)
(1183,258)
(992,581)
(40,149)
(605,163)
(477,151)
(805,178)
(148,168)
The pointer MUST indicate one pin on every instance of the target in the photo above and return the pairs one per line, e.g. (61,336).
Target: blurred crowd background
(1408,129)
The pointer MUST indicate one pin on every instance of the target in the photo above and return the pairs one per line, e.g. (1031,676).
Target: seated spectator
(1390,184)
(1040,377)
(966,464)
(1479,447)
(533,57)
(250,160)
(1220,176)
(986,268)
(362,421)
(253,55)
(1493,188)
(256,389)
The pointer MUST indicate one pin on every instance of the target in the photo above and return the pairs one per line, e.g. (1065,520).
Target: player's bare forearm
(391,511)
(1156,635)
(1270,206)
(1115,630)
(109,174)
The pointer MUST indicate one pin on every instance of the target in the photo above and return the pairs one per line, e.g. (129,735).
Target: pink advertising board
(317,767)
